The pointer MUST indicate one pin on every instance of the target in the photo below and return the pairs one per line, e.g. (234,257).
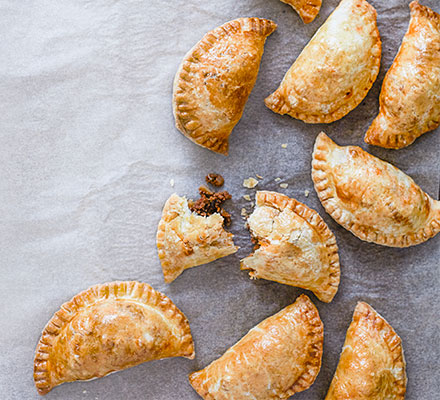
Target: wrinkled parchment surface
(88,147)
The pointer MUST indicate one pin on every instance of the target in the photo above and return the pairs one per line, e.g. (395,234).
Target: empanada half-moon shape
(295,246)
(410,96)
(371,198)
(372,365)
(186,239)
(279,357)
(335,70)
(306,9)
(215,79)
(107,328)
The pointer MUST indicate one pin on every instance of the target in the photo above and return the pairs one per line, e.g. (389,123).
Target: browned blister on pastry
(186,239)
(107,328)
(306,9)
(335,71)
(295,246)
(371,366)
(371,198)
(410,97)
(215,79)
(279,357)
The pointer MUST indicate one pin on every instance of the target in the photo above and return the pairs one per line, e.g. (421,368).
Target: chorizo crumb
(210,203)
(215,179)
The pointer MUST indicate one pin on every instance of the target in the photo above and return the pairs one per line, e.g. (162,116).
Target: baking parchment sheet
(88,148)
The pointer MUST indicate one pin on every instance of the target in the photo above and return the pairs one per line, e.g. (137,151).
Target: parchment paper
(88,147)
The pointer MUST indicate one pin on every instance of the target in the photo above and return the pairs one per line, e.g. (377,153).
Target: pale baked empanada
(410,97)
(279,357)
(371,198)
(186,239)
(372,366)
(335,70)
(215,79)
(295,246)
(107,328)
(307,9)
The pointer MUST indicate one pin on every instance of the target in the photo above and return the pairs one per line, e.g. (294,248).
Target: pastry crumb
(250,183)
(284,185)
(247,197)
(215,179)
(277,179)
(284,145)
(306,193)
(172,182)
(259,176)
(244,212)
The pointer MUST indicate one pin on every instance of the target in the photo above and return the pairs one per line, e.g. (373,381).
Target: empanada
(186,239)
(215,79)
(372,366)
(295,246)
(335,70)
(307,9)
(279,357)
(371,198)
(410,97)
(107,328)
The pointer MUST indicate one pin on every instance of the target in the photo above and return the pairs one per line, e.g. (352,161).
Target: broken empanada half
(186,239)
(335,71)
(306,9)
(107,328)
(372,365)
(279,357)
(215,79)
(294,246)
(410,96)
(371,198)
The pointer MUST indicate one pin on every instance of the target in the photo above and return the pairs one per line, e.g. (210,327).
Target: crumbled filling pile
(210,203)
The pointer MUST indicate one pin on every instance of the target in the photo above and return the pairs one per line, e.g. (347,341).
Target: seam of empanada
(306,9)
(186,122)
(326,194)
(315,221)
(278,103)
(133,291)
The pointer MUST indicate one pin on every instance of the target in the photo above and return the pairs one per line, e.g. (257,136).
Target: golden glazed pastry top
(335,70)
(410,97)
(295,246)
(371,366)
(306,9)
(215,79)
(279,357)
(107,328)
(371,198)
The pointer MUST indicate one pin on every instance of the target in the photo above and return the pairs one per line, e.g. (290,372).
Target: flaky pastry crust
(371,198)
(185,239)
(107,328)
(372,365)
(279,357)
(296,247)
(215,79)
(306,9)
(335,71)
(410,96)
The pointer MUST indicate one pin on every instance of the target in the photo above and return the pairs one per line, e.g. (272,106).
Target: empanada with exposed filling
(186,239)
(107,328)
(279,357)
(410,97)
(335,70)
(215,79)
(295,246)
(371,198)
(306,9)
(372,365)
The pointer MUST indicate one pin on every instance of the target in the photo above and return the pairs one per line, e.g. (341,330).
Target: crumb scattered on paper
(306,193)
(250,183)
(277,179)
(259,176)
(284,185)
(172,182)
(284,145)
(247,197)
(215,179)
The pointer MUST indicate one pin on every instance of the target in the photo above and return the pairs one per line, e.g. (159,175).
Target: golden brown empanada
(279,357)
(296,247)
(335,70)
(185,239)
(107,328)
(307,9)
(215,79)
(410,97)
(371,198)
(372,366)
